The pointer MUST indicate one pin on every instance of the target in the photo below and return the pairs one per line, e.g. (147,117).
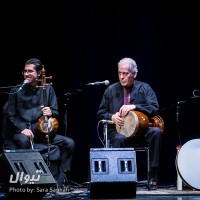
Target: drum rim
(135,128)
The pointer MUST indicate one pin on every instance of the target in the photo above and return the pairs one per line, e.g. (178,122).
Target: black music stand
(67,95)
(196,94)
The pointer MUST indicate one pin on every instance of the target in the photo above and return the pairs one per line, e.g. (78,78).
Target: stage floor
(76,191)
(163,192)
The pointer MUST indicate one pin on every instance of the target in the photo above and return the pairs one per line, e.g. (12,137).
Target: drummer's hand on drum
(116,118)
(125,109)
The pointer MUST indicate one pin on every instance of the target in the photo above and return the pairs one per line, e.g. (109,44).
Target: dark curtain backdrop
(81,42)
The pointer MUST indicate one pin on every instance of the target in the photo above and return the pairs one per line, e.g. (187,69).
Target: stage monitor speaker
(24,174)
(113,173)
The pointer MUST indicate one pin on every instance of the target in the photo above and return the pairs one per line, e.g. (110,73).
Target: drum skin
(43,127)
(135,124)
(188,163)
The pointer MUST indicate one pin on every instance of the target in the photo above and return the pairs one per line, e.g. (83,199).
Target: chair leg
(146,149)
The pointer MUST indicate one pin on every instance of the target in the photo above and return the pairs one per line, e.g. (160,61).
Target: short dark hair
(36,62)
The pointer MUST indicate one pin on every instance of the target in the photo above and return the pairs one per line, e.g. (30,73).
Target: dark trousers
(66,146)
(152,137)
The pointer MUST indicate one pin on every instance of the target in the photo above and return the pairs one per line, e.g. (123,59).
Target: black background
(82,41)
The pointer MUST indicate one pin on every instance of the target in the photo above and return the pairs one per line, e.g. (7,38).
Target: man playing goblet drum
(128,95)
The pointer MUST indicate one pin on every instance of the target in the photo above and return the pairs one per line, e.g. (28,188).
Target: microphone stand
(196,94)
(65,116)
(105,131)
(67,95)
(177,121)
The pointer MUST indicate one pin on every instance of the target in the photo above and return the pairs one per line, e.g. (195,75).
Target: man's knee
(21,141)
(70,143)
(156,131)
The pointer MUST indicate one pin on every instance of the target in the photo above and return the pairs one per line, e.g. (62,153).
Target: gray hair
(129,62)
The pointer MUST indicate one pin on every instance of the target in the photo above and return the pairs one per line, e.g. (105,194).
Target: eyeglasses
(29,71)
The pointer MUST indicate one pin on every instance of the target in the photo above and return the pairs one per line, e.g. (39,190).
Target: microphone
(104,121)
(23,84)
(106,82)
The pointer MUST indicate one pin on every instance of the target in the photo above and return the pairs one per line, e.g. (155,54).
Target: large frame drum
(188,163)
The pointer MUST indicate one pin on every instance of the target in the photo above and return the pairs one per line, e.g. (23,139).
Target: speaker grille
(113,173)
(24,172)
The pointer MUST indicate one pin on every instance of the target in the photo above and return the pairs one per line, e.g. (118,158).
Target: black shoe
(49,195)
(152,184)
